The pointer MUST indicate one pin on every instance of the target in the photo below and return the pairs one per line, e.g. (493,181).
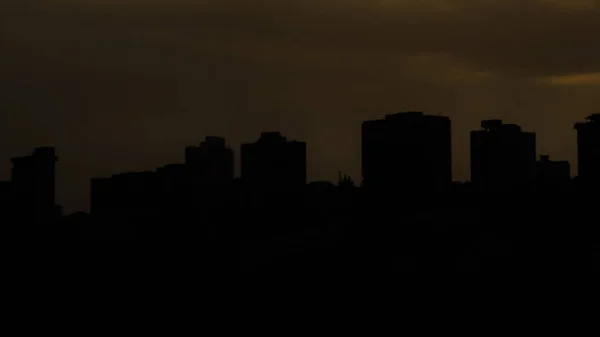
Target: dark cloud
(528,37)
(123,85)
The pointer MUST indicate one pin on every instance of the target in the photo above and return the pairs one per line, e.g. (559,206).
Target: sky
(125,85)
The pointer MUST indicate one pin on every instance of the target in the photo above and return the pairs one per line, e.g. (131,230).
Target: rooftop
(593,119)
(213,141)
(405,114)
(134,174)
(498,125)
(272,136)
(412,115)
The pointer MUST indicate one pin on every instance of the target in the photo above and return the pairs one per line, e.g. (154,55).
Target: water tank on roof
(491,124)
(272,136)
(511,127)
(404,115)
(46,152)
(594,117)
(214,141)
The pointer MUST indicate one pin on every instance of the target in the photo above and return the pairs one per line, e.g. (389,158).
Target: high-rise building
(502,155)
(588,148)
(408,150)
(550,172)
(273,161)
(33,180)
(211,162)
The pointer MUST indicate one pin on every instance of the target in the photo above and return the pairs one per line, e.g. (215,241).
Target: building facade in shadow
(588,149)
(174,183)
(502,156)
(274,161)
(6,200)
(131,194)
(410,151)
(34,184)
(552,173)
(273,166)
(210,170)
(126,203)
(210,163)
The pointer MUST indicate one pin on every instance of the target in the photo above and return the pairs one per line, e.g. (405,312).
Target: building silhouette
(502,155)
(6,197)
(588,148)
(5,190)
(33,183)
(210,163)
(549,172)
(174,186)
(273,162)
(101,194)
(408,150)
(271,220)
(132,194)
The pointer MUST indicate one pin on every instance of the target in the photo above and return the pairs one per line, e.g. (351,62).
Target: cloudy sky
(123,85)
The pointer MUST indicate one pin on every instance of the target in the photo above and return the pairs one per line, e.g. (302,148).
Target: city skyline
(411,149)
(125,86)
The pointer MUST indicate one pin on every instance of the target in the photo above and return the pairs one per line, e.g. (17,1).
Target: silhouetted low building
(502,155)
(549,172)
(588,148)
